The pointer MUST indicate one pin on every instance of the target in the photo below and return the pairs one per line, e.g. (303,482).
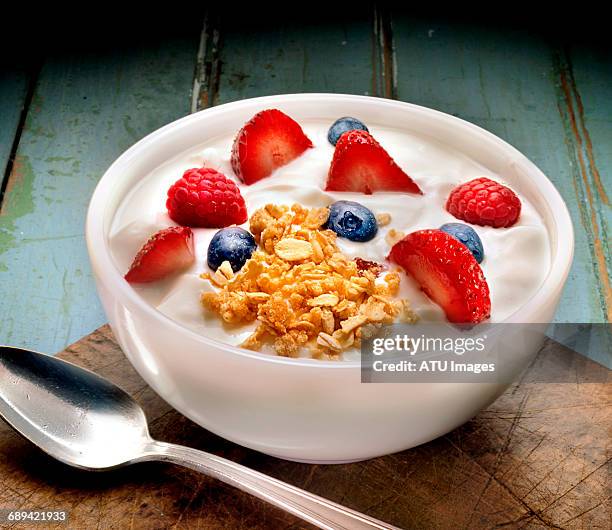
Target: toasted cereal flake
(289,345)
(276,312)
(383,219)
(328,322)
(291,249)
(394,236)
(254,340)
(326,340)
(406,314)
(352,323)
(393,281)
(257,297)
(275,210)
(259,221)
(219,278)
(375,312)
(304,325)
(324,300)
(226,269)
(345,338)
(345,309)
(316,218)
(317,251)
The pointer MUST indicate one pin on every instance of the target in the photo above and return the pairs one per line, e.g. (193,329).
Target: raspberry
(484,202)
(203,197)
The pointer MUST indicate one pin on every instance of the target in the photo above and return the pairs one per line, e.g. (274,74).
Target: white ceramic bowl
(303,409)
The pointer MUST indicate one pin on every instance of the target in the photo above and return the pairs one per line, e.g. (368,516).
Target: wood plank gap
(384,65)
(376,66)
(198,70)
(388,56)
(208,64)
(32,80)
(570,105)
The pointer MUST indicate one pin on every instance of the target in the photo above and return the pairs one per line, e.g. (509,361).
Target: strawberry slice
(361,164)
(268,141)
(166,252)
(447,272)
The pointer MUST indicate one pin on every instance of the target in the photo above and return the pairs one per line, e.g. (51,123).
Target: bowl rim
(105,271)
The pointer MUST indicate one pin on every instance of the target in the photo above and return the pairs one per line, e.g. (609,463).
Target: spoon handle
(312,508)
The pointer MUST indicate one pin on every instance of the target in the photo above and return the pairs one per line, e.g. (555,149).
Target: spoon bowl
(70,413)
(88,422)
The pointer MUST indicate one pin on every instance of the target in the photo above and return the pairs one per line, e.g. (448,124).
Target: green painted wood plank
(508,82)
(258,56)
(13,89)
(86,109)
(590,83)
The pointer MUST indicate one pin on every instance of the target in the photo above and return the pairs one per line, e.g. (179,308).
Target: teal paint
(506,82)
(591,86)
(331,55)
(86,110)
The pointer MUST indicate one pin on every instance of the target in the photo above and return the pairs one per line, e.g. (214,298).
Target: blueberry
(352,220)
(341,125)
(468,236)
(232,244)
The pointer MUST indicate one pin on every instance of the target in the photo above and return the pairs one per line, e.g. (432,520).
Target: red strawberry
(484,202)
(166,252)
(268,141)
(447,272)
(361,164)
(205,198)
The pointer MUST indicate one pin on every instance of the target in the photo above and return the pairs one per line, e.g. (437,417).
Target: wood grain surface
(543,98)
(88,106)
(539,457)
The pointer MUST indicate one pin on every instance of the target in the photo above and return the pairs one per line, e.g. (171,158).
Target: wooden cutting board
(539,457)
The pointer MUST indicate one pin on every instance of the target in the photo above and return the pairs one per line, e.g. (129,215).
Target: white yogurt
(517,259)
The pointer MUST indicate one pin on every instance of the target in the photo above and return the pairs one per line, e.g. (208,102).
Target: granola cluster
(302,290)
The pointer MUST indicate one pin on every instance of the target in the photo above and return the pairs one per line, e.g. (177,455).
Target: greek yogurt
(517,259)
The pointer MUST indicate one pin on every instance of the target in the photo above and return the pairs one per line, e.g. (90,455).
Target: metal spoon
(88,422)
